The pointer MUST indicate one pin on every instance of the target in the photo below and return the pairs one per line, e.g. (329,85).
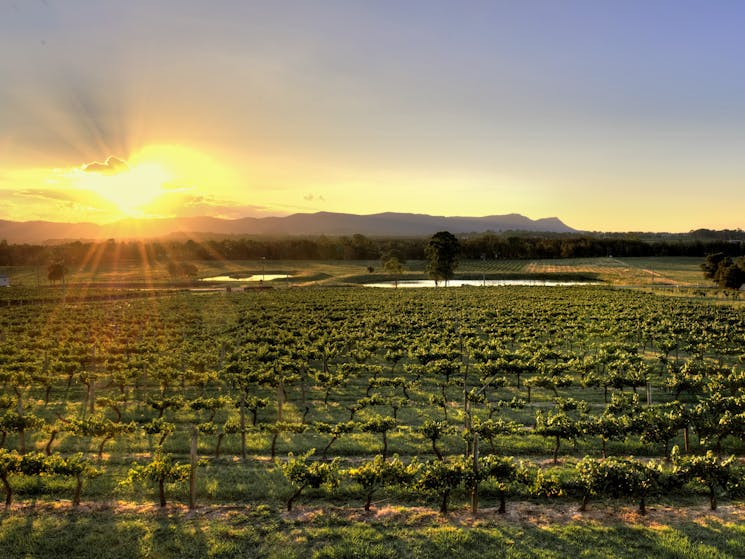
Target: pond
(256,277)
(487,283)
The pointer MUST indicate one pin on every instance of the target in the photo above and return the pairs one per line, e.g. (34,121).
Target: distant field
(157,273)
(627,271)
(681,271)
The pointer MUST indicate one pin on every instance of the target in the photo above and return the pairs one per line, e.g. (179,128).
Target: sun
(128,185)
(140,184)
(130,190)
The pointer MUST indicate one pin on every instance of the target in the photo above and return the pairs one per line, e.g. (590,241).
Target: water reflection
(487,283)
(256,277)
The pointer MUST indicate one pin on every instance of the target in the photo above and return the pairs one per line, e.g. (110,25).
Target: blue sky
(609,115)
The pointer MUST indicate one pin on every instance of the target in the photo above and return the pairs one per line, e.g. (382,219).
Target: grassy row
(326,534)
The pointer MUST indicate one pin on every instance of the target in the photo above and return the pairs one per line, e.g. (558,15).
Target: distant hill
(321,223)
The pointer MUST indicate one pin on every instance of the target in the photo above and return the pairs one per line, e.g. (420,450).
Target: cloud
(175,203)
(57,195)
(310,197)
(55,205)
(70,197)
(112,166)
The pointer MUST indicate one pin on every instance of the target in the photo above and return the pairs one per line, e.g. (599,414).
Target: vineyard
(333,404)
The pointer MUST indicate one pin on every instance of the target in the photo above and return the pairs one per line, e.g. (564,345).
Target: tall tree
(725,272)
(392,265)
(56,271)
(442,253)
(711,265)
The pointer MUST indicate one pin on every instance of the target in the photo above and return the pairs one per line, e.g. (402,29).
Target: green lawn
(142,532)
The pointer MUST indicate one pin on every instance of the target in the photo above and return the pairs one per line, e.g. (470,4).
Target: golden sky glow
(610,116)
(129,189)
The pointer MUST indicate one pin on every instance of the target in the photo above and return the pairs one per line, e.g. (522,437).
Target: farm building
(4,281)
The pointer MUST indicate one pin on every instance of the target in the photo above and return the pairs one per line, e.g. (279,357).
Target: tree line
(488,246)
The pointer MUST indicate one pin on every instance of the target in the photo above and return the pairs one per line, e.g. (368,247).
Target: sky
(612,116)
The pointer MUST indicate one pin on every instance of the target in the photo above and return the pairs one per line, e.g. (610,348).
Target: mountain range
(387,224)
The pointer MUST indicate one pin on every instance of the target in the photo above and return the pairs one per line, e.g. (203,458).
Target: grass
(140,531)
